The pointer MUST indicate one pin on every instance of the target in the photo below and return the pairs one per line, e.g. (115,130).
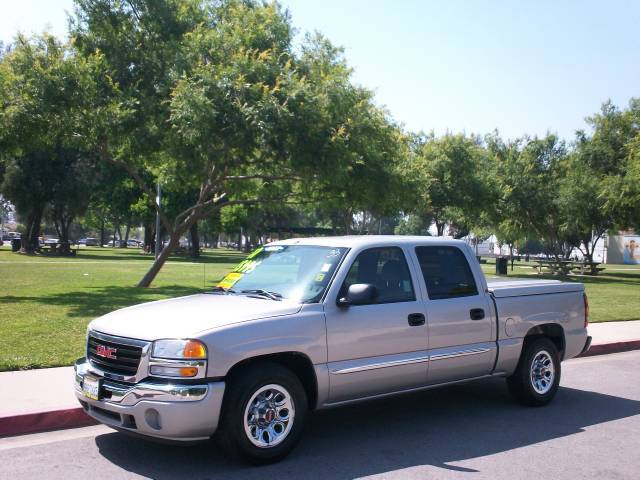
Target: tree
(354,135)
(413,225)
(447,181)
(528,175)
(45,94)
(583,207)
(214,99)
(610,156)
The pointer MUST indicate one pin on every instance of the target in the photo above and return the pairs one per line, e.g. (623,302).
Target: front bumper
(161,410)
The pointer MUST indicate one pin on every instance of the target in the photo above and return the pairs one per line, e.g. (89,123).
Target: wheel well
(297,362)
(552,331)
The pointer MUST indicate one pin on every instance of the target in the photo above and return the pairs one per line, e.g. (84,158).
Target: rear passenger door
(461,329)
(380,347)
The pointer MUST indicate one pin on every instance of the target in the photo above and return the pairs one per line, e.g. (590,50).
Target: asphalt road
(474,431)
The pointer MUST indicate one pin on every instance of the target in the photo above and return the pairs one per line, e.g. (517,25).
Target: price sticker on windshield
(230,280)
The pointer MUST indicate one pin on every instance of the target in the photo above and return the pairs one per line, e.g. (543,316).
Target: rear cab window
(446,272)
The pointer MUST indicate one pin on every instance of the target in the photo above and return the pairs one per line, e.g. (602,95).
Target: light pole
(158,198)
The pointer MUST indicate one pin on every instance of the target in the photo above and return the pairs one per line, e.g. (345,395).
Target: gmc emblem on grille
(106,352)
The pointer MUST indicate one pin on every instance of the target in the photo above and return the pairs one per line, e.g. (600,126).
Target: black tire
(521,384)
(231,435)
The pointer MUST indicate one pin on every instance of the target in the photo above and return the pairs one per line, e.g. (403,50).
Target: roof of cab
(353,241)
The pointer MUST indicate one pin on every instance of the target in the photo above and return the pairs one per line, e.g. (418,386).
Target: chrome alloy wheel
(269,415)
(542,372)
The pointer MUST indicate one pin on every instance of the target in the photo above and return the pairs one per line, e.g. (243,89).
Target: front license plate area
(91,387)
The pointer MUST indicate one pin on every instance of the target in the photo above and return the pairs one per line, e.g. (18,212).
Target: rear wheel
(536,379)
(264,412)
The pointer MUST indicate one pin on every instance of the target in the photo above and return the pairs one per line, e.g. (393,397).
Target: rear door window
(446,272)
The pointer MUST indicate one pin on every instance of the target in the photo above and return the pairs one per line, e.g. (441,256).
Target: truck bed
(519,288)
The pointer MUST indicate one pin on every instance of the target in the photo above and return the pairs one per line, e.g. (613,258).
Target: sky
(526,67)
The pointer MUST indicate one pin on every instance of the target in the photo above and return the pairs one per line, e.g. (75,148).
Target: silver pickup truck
(312,323)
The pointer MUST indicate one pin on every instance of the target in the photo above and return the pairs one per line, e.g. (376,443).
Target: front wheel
(537,377)
(264,412)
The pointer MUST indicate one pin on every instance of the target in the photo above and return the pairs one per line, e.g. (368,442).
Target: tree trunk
(31,242)
(57,221)
(126,236)
(440,228)
(348,220)
(63,230)
(511,255)
(102,232)
(195,241)
(174,241)
(149,239)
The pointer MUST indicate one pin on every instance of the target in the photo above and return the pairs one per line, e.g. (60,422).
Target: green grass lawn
(613,295)
(47,302)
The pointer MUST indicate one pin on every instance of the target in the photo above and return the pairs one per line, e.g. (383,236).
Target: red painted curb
(44,421)
(617,347)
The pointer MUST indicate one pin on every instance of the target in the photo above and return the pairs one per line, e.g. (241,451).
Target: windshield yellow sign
(247,265)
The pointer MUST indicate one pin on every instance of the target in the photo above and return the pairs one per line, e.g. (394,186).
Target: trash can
(16,243)
(501,265)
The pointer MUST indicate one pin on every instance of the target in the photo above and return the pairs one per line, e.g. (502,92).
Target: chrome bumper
(161,410)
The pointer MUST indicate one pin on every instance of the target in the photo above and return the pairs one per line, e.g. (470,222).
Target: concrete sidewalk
(40,400)
(612,337)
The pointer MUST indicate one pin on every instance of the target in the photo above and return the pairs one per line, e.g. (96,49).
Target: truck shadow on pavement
(435,428)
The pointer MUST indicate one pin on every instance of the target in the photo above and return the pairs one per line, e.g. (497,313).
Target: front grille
(127,356)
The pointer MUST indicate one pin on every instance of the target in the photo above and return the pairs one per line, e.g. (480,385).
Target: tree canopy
(245,129)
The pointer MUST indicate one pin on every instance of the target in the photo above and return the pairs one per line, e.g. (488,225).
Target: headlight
(178,358)
(179,349)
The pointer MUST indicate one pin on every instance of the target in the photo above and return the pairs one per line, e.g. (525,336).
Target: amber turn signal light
(194,349)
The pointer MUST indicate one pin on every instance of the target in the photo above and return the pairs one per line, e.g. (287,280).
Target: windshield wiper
(224,291)
(264,293)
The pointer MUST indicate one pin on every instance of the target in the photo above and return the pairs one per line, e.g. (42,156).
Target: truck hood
(186,317)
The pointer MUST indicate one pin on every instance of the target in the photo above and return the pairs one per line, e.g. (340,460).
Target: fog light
(152,417)
(173,371)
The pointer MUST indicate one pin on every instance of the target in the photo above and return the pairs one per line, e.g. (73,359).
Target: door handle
(416,319)
(476,314)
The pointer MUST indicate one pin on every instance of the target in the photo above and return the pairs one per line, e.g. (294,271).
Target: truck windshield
(295,272)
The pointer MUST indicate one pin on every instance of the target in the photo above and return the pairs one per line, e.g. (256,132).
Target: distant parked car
(51,241)
(133,242)
(92,242)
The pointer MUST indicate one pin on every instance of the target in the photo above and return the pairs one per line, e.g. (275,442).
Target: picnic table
(59,249)
(564,267)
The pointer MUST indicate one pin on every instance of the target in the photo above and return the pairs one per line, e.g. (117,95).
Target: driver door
(379,347)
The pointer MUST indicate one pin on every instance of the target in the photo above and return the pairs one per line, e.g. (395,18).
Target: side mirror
(358,294)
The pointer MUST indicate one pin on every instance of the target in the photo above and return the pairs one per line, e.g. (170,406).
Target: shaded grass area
(47,302)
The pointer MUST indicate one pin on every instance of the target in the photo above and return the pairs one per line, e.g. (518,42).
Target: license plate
(91,387)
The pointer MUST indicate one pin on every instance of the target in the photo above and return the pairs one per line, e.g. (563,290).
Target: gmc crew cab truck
(313,323)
